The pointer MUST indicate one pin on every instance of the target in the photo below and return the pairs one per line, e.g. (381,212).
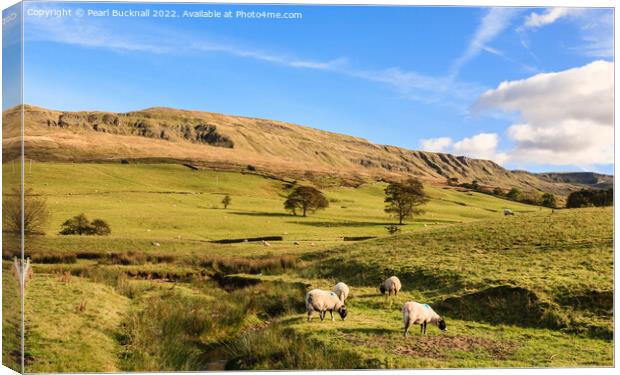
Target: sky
(529,88)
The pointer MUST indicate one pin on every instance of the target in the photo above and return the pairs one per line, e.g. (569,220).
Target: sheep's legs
(421,328)
(424,328)
(406,330)
(322,315)
(331,313)
(309,315)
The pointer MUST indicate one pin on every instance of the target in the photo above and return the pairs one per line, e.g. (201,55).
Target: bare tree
(35,213)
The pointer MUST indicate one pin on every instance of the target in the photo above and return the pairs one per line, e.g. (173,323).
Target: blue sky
(416,77)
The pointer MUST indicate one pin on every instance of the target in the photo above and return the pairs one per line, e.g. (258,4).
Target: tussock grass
(11,319)
(61,336)
(179,331)
(276,348)
(269,264)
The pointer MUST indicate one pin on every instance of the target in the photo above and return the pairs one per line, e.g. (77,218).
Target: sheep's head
(343,312)
(442,324)
(382,289)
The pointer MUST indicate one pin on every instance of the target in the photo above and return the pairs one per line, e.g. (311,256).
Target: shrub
(514,194)
(226,201)
(589,198)
(100,227)
(80,225)
(392,229)
(548,200)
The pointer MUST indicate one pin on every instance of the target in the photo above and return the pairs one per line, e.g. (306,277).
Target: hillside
(595,180)
(230,142)
(530,290)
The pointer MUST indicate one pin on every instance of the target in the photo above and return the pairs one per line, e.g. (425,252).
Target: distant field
(535,289)
(165,201)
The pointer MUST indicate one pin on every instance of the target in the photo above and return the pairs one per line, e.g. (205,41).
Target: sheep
(508,212)
(417,313)
(390,285)
(342,291)
(323,301)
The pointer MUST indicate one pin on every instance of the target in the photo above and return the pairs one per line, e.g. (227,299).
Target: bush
(35,213)
(80,225)
(392,229)
(514,194)
(548,200)
(226,201)
(590,198)
(100,227)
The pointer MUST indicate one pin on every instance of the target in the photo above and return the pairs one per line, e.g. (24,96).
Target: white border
(522,3)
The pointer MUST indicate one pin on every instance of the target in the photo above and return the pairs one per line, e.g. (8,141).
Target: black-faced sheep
(390,285)
(323,301)
(417,313)
(342,291)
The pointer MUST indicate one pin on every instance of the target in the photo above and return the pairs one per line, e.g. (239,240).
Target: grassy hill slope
(530,290)
(164,201)
(534,290)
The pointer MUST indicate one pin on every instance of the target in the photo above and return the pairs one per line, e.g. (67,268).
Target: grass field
(165,201)
(533,290)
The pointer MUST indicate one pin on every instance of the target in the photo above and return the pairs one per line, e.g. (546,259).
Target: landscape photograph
(212,187)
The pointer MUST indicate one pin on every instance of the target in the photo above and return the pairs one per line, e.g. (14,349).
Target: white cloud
(76,31)
(423,88)
(567,117)
(595,28)
(479,146)
(536,20)
(491,25)
(436,144)
(412,85)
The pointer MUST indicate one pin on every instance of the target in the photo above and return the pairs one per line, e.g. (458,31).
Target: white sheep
(342,291)
(323,301)
(417,313)
(390,285)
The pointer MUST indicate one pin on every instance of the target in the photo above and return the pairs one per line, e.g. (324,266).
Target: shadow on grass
(336,224)
(367,331)
(261,214)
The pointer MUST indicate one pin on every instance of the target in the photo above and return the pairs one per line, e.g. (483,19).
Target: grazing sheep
(323,301)
(342,291)
(508,212)
(417,313)
(390,285)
